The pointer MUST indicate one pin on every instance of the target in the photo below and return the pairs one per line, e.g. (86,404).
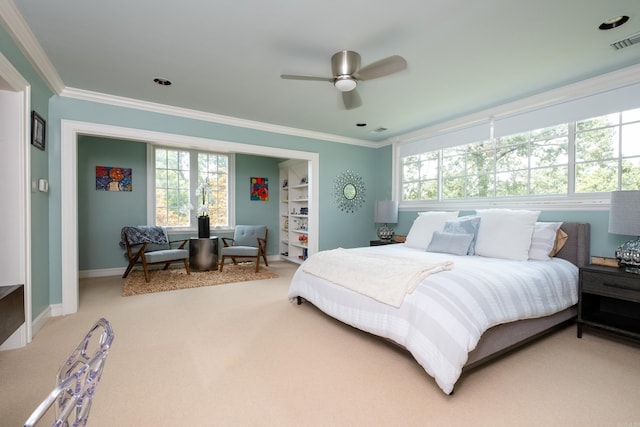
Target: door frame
(13,81)
(69,132)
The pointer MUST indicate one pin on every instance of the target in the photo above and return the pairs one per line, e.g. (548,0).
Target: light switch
(43,185)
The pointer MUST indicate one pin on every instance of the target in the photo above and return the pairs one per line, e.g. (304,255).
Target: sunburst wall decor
(349,191)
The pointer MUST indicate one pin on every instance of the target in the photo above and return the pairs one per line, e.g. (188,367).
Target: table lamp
(386,211)
(624,219)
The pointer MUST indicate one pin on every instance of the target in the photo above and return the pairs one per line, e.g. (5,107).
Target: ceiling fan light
(345,83)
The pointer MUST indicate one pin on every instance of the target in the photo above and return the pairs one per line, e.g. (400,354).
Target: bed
(449,335)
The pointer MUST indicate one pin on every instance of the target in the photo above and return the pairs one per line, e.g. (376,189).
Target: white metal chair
(77,379)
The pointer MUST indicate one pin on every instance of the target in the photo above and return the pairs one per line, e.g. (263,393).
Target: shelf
(296,199)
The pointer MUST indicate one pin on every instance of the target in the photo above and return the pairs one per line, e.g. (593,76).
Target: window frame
(569,201)
(193,152)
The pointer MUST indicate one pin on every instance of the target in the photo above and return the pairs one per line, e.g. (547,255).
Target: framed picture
(38,130)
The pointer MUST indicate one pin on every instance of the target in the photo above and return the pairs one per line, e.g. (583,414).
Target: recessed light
(162,82)
(612,23)
(361,125)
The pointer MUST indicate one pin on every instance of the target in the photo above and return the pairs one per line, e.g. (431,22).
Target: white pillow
(543,240)
(423,227)
(505,233)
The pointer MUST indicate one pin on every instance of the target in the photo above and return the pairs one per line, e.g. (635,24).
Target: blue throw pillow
(450,243)
(466,225)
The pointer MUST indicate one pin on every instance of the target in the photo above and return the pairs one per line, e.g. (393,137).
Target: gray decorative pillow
(450,243)
(467,225)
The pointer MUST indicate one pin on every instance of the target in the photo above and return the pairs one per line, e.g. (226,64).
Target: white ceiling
(226,56)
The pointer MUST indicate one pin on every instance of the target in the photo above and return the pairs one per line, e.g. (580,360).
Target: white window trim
(151,179)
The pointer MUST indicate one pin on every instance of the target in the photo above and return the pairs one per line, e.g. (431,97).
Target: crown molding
(16,26)
(608,81)
(120,101)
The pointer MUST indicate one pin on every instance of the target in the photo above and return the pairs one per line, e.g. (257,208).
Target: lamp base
(385,232)
(628,255)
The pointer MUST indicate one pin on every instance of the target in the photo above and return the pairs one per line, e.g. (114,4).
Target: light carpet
(174,279)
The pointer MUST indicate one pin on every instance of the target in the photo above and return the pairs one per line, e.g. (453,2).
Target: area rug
(173,279)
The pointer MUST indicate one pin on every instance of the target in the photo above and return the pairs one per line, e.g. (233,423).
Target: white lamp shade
(623,216)
(386,211)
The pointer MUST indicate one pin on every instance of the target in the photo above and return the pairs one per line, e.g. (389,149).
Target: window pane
(453,188)
(550,152)
(598,122)
(511,157)
(429,190)
(553,132)
(597,144)
(631,140)
(410,191)
(595,177)
(631,116)
(480,186)
(453,166)
(631,174)
(511,183)
(480,161)
(552,180)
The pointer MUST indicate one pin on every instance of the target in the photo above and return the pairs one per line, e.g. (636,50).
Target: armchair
(148,245)
(249,241)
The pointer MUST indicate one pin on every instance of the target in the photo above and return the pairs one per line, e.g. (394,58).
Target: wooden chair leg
(128,270)
(146,270)
(186,266)
(257,263)
(221,263)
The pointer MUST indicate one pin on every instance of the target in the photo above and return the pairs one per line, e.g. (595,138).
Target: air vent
(634,39)
(380,129)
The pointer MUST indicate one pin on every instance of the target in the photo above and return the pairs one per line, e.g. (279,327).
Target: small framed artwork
(38,131)
(260,189)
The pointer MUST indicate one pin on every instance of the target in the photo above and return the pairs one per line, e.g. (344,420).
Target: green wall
(102,214)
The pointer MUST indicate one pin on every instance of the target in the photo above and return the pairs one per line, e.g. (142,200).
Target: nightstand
(382,242)
(609,299)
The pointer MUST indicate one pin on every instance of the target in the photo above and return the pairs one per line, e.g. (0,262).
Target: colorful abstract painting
(113,179)
(260,189)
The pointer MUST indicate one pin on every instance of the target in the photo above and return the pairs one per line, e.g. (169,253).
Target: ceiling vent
(634,39)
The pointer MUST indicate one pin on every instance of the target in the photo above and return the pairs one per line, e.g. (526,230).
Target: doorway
(70,130)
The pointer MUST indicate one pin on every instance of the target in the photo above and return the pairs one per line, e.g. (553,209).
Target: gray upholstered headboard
(578,247)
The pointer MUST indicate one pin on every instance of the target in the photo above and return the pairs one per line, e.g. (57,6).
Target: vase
(203,227)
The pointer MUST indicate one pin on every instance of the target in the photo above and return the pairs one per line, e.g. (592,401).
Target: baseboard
(105,272)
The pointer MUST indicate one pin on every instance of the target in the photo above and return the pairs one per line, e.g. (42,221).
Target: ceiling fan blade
(294,77)
(351,99)
(382,68)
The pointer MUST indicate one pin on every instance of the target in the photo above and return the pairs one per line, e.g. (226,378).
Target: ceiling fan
(345,66)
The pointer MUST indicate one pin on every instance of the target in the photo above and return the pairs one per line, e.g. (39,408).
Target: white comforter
(442,320)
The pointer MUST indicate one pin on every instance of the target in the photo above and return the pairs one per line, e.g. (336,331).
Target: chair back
(247,235)
(77,379)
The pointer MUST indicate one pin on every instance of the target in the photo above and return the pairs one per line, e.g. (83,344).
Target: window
(600,154)
(186,181)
